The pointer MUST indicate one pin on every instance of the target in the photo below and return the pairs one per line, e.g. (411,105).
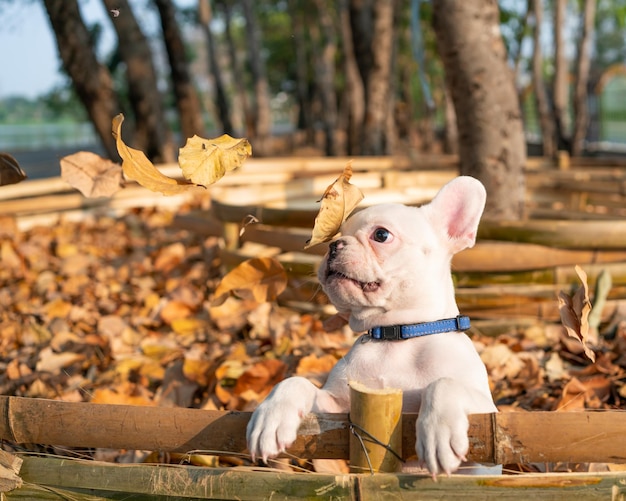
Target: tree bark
(261,111)
(151,134)
(581,112)
(377,84)
(221,99)
(354,90)
(187,101)
(560,84)
(235,68)
(91,80)
(491,134)
(324,59)
(546,120)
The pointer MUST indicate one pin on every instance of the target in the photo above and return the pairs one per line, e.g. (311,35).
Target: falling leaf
(338,201)
(574,311)
(261,279)
(137,167)
(204,161)
(10,170)
(91,174)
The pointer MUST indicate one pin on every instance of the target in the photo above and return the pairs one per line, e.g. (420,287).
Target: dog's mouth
(364,286)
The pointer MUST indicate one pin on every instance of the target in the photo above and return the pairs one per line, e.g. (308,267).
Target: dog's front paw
(442,426)
(274,425)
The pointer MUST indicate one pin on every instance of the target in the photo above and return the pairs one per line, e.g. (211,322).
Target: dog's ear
(458,207)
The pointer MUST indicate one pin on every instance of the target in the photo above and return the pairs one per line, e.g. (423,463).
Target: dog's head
(391,264)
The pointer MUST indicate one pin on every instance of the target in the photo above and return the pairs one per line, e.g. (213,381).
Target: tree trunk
(187,101)
(546,121)
(560,84)
(151,134)
(235,68)
(451,140)
(377,84)
(491,134)
(354,90)
(91,80)
(221,100)
(324,58)
(581,113)
(298,10)
(261,111)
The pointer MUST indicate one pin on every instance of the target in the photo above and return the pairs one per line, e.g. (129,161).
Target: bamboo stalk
(502,438)
(376,437)
(606,234)
(52,478)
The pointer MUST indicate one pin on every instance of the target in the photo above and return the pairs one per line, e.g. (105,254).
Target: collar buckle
(391,333)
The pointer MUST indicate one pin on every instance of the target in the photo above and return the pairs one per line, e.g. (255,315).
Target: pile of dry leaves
(125,310)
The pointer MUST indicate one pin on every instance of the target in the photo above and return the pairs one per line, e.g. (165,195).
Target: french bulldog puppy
(391,267)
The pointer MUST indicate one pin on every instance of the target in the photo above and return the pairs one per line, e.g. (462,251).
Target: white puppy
(391,267)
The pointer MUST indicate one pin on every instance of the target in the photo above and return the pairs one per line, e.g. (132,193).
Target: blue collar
(400,332)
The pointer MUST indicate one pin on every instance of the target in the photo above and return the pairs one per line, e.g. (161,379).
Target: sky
(29,61)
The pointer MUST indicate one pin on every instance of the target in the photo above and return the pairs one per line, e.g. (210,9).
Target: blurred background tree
(353,77)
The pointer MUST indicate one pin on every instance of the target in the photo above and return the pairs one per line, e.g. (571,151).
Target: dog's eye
(381,235)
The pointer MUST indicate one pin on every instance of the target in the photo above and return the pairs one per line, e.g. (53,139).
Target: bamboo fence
(575,216)
(502,438)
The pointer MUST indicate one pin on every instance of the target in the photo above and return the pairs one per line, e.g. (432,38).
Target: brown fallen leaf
(579,395)
(91,174)
(261,279)
(137,167)
(338,201)
(204,161)
(261,377)
(10,170)
(574,311)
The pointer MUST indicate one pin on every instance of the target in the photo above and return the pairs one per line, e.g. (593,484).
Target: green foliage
(60,105)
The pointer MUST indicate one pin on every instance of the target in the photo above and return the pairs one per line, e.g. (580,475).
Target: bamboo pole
(605,234)
(501,438)
(376,433)
(53,478)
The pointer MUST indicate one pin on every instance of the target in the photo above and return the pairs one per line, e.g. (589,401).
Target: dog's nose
(334,248)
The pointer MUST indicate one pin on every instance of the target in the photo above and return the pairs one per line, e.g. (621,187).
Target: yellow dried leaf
(338,201)
(574,311)
(198,370)
(204,161)
(261,279)
(137,167)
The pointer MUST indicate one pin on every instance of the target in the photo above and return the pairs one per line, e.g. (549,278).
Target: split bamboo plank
(502,438)
(55,479)
(75,478)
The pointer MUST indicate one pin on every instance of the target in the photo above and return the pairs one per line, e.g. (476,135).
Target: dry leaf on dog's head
(204,161)
(338,201)
(260,279)
(137,167)
(575,311)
